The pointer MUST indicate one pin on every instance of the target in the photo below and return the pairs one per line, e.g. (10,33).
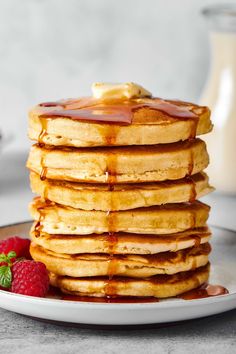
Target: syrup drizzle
(115,112)
(197,240)
(112,237)
(38,225)
(193,191)
(193,214)
(44,169)
(45,192)
(43,133)
(119,112)
(42,210)
(191,162)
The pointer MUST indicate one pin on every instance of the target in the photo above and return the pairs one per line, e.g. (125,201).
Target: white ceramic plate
(223,272)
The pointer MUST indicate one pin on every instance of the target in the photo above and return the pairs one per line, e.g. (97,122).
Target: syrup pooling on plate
(55,293)
(111,299)
(206,290)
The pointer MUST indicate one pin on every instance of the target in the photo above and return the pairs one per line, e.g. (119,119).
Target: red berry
(30,278)
(17,244)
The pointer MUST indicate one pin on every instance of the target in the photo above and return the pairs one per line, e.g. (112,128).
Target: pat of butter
(126,91)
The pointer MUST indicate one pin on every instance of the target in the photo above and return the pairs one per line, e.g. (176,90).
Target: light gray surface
(21,335)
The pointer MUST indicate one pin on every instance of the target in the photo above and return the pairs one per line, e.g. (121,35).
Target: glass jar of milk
(220,95)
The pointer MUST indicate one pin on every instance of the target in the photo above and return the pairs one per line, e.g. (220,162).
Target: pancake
(160,286)
(96,264)
(121,243)
(170,218)
(122,196)
(50,124)
(120,164)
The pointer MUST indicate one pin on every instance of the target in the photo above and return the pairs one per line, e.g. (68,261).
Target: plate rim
(161,304)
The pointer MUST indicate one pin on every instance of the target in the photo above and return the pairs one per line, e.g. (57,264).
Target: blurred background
(52,49)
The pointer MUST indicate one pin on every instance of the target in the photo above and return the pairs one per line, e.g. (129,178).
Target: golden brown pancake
(118,177)
(97,264)
(120,164)
(160,286)
(121,243)
(149,125)
(166,219)
(122,196)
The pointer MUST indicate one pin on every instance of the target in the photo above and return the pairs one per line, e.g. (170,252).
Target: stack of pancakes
(118,182)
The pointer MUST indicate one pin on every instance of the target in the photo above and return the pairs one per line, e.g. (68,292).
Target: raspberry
(30,278)
(17,244)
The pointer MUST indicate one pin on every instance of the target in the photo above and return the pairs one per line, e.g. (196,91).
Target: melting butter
(113,91)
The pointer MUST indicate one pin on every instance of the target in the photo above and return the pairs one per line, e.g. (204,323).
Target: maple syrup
(111,236)
(118,112)
(41,210)
(197,240)
(193,192)
(205,290)
(55,293)
(38,225)
(44,169)
(191,162)
(43,133)
(111,299)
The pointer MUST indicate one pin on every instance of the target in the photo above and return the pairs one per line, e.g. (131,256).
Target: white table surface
(19,334)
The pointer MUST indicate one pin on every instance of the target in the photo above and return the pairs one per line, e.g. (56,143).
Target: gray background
(51,49)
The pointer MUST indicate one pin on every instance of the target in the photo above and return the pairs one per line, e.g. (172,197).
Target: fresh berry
(29,278)
(19,245)
(19,275)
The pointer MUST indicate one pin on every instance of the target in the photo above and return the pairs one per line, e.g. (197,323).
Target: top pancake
(153,121)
